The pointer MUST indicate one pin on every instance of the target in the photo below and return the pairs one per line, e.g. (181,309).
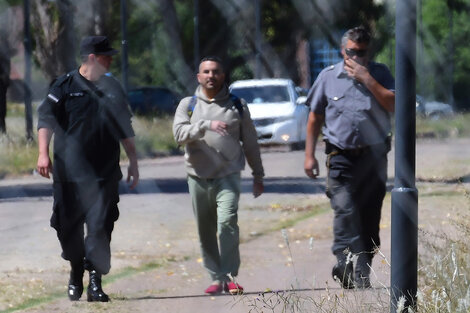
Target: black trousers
(92,204)
(356,187)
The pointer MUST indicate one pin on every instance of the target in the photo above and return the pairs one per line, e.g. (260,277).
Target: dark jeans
(356,187)
(93,204)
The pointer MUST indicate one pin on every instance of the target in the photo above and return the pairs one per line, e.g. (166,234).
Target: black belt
(355,152)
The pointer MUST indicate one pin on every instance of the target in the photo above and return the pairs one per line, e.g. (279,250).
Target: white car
(433,109)
(278,112)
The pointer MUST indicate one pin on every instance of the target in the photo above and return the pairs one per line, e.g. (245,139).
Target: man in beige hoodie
(218,134)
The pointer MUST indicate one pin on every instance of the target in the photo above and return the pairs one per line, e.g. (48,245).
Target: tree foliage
(161,37)
(443,67)
(54,37)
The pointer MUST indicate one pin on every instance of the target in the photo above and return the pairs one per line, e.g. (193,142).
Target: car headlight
(285,137)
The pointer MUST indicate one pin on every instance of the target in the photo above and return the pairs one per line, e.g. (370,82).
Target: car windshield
(262,94)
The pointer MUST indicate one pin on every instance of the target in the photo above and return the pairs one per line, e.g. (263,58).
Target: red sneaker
(233,288)
(214,289)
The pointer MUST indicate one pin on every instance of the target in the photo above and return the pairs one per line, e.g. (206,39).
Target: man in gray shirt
(353,101)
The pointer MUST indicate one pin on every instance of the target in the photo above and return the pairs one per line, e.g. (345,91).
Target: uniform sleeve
(47,109)
(316,97)
(250,144)
(388,80)
(183,130)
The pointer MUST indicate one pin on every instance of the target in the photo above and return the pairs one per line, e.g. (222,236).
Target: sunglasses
(352,52)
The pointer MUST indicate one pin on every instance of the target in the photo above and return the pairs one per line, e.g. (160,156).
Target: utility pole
(27,71)
(420,47)
(404,272)
(196,35)
(451,52)
(257,39)
(124,57)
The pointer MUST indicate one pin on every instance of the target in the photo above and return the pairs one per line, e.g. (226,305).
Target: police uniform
(356,132)
(88,120)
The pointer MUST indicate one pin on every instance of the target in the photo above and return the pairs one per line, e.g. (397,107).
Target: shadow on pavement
(229,295)
(175,185)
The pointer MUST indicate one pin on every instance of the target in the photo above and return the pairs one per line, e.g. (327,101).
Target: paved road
(156,225)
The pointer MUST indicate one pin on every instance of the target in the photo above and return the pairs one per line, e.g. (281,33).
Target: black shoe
(343,273)
(75,287)
(362,270)
(94,292)
(75,291)
(362,282)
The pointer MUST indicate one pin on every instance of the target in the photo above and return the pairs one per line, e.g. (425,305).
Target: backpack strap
(191,105)
(238,104)
(235,100)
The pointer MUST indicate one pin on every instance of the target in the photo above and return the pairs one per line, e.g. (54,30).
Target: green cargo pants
(215,206)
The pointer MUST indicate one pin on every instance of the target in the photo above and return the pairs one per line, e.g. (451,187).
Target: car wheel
(299,144)
(296,146)
(434,116)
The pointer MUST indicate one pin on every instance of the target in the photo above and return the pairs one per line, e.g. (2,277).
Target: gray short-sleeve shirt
(353,117)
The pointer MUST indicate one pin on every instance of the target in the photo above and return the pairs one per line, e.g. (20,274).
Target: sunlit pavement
(156,225)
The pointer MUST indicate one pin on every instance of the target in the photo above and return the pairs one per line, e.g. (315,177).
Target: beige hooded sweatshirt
(208,154)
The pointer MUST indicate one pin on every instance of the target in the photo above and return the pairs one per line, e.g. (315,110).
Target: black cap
(96,45)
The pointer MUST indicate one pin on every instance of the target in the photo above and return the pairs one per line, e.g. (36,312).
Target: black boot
(94,291)
(75,288)
(362,270)
(343,271)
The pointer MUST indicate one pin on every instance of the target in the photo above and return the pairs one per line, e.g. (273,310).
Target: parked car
(433,109)
(152,100)
(278,112)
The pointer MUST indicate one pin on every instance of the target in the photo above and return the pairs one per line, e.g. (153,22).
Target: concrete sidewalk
(156,265)
(269,263)
(155,250)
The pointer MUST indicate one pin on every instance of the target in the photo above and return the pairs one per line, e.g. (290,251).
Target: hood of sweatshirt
(221,96)
(209,154)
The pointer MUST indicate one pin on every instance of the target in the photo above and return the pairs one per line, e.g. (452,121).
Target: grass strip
(120,274)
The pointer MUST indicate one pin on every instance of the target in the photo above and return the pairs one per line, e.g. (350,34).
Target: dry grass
(154,138)
(443,274)
(18,155)
(445,266)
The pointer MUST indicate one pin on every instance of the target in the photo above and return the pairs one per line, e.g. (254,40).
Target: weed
(443,286)
(445,267)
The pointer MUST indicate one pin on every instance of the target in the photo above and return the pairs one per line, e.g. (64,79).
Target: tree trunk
(5,56)
(54,36)
(98,17)
(172,29)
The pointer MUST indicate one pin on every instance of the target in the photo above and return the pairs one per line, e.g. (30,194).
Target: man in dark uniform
(88,113)
(353,100)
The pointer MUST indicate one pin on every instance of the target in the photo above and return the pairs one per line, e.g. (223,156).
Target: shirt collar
(340,71)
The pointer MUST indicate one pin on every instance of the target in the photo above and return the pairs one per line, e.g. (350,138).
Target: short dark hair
(357,34)
(212,58)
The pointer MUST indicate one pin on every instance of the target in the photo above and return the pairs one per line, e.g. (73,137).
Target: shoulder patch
(55,88)
(60,80)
